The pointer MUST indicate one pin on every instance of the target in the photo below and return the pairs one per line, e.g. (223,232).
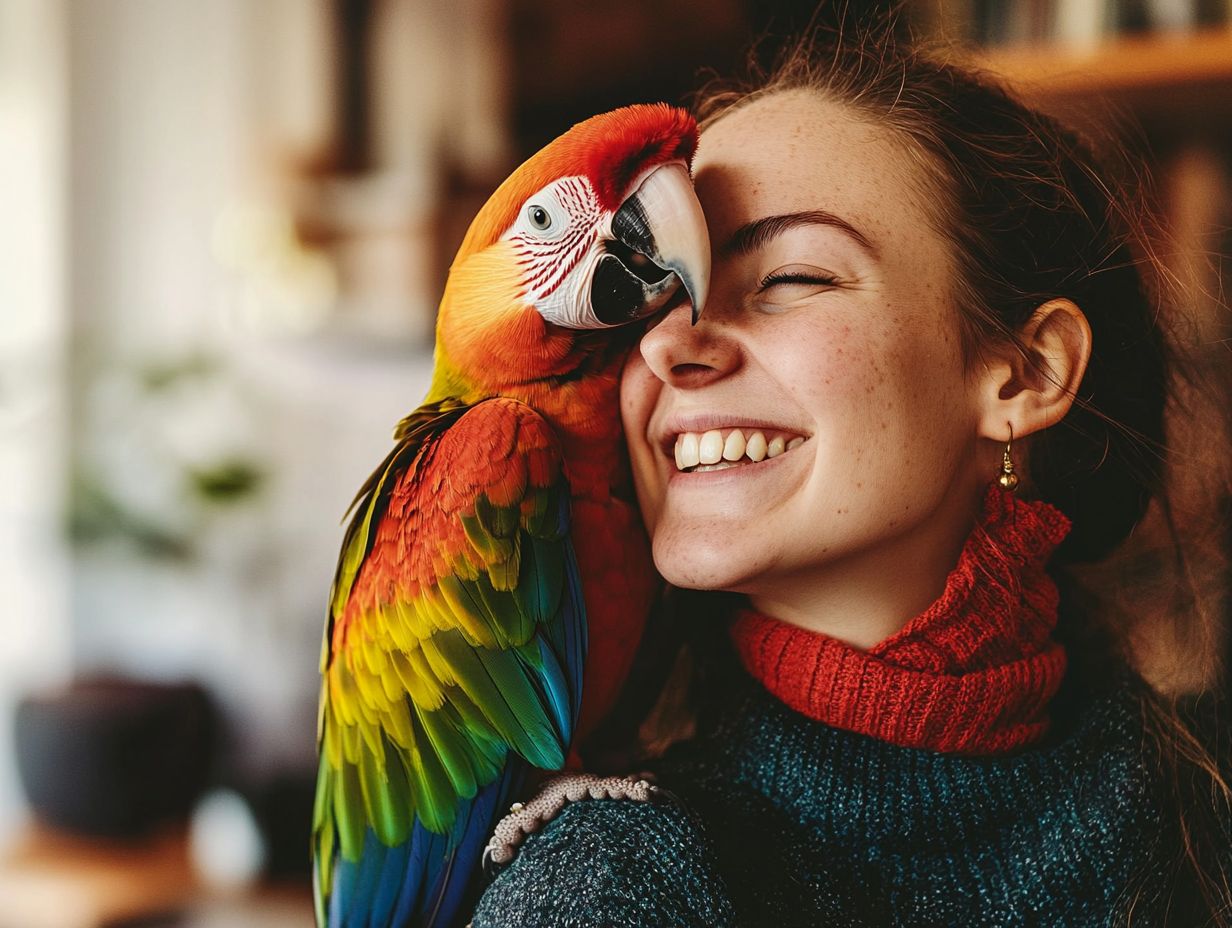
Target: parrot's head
(599,229)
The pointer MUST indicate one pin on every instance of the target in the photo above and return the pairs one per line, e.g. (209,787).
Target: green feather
(323,797)
(386,796)
(454,749)
(477,726)
(542,581)
(488,546)
(475,622)
(500,521)
(349,811)
(501,605)
(504,573)
(543,521)
(432,792)
(497,683)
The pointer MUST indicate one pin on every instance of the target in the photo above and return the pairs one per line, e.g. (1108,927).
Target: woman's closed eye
(808,277)
(788,285)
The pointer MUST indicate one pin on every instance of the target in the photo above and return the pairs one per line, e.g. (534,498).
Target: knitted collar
(972,674)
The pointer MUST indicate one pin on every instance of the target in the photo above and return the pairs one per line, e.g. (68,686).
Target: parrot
(495,578)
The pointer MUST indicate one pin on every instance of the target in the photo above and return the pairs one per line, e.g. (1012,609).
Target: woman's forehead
(796,150)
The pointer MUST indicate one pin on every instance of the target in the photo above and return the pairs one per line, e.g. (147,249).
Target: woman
(923,295)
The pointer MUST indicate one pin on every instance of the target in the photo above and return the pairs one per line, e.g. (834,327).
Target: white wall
(176,108)
(34,640)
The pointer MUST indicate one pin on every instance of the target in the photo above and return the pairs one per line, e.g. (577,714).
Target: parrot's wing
(453,658)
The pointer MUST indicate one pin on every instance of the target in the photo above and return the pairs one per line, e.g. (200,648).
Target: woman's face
(830,335)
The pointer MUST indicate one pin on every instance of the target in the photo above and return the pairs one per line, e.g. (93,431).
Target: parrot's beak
(659,243)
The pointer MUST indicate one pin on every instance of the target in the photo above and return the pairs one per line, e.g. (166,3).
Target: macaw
(495,578)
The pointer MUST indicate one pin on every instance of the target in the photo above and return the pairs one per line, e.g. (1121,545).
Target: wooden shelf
(1153,72)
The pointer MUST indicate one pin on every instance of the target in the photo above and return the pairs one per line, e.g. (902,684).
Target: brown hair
(1033,214)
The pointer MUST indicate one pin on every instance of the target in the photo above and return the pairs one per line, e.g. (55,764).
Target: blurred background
(225,227)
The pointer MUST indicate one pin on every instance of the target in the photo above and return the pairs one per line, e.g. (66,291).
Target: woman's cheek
(639,390)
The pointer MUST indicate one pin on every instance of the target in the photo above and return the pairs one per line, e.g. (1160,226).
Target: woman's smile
(722,450)
(699,459)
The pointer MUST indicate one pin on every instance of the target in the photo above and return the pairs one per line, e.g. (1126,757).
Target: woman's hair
(1033,214)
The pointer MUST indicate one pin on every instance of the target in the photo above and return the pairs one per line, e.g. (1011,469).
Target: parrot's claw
(527,818)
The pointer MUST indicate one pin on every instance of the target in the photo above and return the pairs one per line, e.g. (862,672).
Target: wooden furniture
(52,880)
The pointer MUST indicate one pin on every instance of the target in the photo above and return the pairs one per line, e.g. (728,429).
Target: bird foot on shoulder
(528,817)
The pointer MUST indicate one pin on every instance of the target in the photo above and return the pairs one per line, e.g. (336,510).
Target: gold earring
(1007,478)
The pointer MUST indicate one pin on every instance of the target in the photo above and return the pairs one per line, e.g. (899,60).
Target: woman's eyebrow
(753,235)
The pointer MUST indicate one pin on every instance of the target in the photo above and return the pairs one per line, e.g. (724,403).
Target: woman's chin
(691,563)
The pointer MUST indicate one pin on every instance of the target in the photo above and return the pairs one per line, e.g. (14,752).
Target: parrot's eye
(539,218)
(547,214)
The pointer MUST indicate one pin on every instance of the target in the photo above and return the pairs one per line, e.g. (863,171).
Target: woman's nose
(687,355)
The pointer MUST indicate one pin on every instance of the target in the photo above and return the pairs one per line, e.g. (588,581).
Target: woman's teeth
(711,451)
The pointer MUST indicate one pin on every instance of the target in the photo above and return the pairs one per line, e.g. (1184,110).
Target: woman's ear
(1033,388)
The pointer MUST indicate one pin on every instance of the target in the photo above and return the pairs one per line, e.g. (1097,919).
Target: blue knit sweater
(779,820)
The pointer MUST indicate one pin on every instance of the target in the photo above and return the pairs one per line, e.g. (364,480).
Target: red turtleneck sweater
(972,674)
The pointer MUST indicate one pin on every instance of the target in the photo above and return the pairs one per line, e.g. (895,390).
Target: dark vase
(115,758)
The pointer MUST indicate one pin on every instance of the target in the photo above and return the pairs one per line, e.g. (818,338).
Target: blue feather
(371,865)
(557,689)
(346,877)
(389,887)
(459,879)
(574,629)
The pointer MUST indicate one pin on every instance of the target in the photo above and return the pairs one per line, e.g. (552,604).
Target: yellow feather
(419,679)
(398,724)
(403,624)
(372,737)
(342,694)
(332,742)
(466,613)
(375,655)
(436,661)
(395,692)
(434,613)
(350,744)
(504,574)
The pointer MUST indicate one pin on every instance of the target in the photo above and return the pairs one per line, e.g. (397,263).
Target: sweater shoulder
(610,862)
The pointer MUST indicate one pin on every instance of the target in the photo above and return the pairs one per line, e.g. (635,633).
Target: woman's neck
(866,597)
